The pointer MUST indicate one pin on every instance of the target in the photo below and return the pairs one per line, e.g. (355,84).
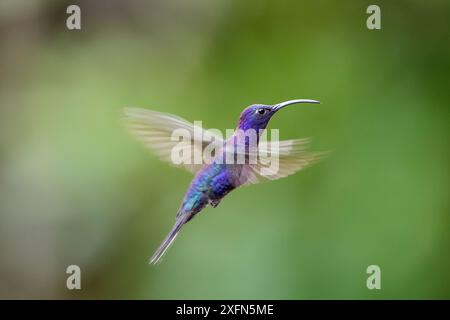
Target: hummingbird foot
(214,203)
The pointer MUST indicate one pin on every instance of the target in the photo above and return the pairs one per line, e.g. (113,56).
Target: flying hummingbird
(215,179)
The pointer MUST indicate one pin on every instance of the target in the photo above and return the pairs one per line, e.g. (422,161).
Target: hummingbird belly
(209,186)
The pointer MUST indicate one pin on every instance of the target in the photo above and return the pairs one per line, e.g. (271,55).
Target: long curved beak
(287,103)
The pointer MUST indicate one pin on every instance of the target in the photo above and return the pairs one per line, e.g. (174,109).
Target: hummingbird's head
(257,116)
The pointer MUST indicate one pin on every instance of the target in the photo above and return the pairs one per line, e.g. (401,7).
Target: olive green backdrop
(76,188)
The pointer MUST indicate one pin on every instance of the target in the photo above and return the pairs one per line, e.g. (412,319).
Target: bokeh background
(76,188)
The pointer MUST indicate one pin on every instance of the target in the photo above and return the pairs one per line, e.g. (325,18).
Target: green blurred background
(76,188)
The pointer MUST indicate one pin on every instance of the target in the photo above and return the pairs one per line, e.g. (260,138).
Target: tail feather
(181,220)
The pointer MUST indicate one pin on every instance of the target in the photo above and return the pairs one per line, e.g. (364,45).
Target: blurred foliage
(75,188)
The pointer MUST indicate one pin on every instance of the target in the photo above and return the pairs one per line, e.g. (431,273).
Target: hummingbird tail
(181,220)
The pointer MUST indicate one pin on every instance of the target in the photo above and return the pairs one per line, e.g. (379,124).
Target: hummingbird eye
(261,111)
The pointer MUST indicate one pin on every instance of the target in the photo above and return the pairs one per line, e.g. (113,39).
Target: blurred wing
(155,130)
(292,157)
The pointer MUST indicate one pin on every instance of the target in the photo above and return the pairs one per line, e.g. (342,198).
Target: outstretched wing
(275,162)
(156,130)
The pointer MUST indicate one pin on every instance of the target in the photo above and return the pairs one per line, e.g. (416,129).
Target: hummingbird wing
(273,164)
(156,130)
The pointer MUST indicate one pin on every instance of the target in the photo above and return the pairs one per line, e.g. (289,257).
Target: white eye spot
(261,111)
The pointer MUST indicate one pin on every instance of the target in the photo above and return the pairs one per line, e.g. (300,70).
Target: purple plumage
(216,179)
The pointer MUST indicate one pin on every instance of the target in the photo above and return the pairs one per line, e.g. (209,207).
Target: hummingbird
(214,179)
